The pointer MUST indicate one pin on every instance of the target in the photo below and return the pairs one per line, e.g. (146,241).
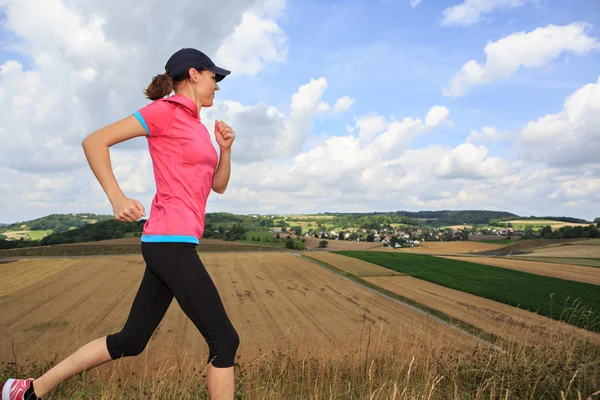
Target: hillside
(57,222)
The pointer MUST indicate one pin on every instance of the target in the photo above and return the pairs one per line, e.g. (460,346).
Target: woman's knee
(222,352)
(122,344)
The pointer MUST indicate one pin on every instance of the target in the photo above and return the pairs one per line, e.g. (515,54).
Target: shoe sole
(6,389)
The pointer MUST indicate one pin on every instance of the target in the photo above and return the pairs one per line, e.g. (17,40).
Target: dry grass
(563,271)
(569,251)
(292,317)
(586,262)
(352,265)
(499,319)
(458,226)
(552,223)
(458,247)
(275,301)
(19,274)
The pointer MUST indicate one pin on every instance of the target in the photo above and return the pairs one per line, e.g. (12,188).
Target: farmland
(499,319)
(352,265)
(27,234)
(540,223)
(576,302)
(568,251)
(586,262)
(563,271)
(281,305)
(459,247)
(313,243)
(291,316)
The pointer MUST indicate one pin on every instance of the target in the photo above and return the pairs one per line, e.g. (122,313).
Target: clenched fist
(224,135)
(128,210)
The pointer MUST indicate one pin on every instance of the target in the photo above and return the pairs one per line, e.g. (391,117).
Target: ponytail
(160,86)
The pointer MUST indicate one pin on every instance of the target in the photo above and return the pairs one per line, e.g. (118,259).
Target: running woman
(186,168)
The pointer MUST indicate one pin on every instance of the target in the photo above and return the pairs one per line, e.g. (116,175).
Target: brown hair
(163,84)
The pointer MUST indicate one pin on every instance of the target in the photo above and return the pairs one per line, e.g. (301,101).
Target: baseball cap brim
(221,73)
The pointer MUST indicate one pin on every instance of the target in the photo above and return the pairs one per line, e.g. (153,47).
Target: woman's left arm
(225,136)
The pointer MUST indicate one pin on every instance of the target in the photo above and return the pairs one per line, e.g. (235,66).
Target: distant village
(403,237)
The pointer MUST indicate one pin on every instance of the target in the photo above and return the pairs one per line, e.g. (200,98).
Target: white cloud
(570,137)
(522,50)
(471,11)
(254,43)
(343,104)
(436,115)
(88,62)
(414,3)
(370,125)
(471,162)
(488,134)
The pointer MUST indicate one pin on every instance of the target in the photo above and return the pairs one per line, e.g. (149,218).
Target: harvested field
(19,274)
(458,226)
(128,241)
(333,245)
(569,251)
(577,303)
(459,247)
(528,244)
(351,265)
(496,318)
(586,262)
(563,271)
(277,302)
(543,222)
(122,247)
(590,242)
(136,241)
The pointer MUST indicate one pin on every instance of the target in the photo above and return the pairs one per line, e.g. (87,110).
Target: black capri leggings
(175,270)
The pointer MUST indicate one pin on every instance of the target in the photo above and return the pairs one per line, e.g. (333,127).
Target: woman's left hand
(224,135)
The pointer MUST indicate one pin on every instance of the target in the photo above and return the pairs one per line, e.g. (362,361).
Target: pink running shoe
(14,389)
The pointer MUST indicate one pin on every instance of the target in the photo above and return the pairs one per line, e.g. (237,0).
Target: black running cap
(186,58)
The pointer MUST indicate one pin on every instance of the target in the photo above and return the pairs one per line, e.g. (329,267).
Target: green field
(573,302)
(306,225)
(266,239)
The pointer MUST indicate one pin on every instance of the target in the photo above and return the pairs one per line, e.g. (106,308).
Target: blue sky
(394,61)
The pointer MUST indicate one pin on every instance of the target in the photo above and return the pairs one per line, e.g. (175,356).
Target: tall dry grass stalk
(378,369)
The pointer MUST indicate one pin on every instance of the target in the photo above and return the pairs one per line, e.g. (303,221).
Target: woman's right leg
(149,306)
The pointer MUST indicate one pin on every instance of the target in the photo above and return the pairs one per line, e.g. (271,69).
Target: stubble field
(276,301)
(306,333)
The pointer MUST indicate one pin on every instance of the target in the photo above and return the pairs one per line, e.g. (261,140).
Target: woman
(186,168)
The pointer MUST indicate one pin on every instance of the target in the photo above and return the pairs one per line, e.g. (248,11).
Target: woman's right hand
(128,210)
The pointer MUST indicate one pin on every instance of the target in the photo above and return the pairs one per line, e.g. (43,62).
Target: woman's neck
(187,91)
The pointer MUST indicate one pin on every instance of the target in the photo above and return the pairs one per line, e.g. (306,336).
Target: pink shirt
(184,161)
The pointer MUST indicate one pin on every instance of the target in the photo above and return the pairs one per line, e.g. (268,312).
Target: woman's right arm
(96,146)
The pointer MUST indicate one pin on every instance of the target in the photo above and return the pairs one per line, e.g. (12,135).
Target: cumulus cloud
(471,162)
(471,11)
(88,63)
(570,137)
(522,50)
(255,42)
(343,104)
(488,134)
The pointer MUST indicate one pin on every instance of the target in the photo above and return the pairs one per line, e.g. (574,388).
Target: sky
(337,106)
